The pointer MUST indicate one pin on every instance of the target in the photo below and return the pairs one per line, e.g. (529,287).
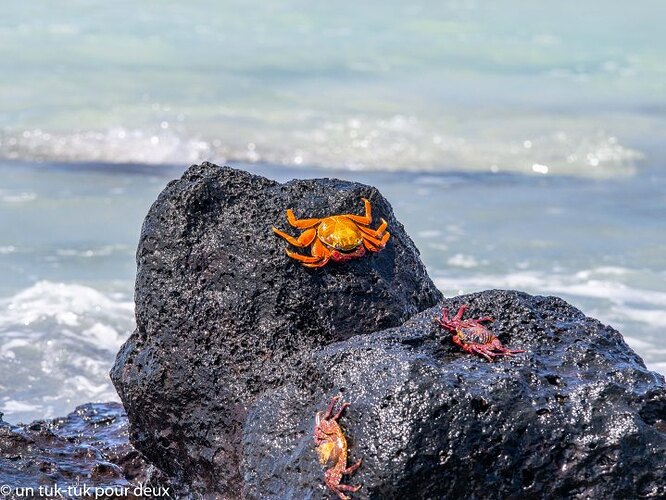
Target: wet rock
(577,416)
(89,447)
(224,315)
(238,346)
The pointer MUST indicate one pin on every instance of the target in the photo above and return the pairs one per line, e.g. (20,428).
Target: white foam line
(395,143)
(617,293)
(13,406)
(659,367)
(64,303)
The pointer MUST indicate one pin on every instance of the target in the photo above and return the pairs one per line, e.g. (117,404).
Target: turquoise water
(521,143)
(564,87)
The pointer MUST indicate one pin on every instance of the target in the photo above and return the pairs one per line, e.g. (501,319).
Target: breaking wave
(398,143)
(57,344)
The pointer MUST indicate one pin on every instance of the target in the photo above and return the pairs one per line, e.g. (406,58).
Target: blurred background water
(521,143)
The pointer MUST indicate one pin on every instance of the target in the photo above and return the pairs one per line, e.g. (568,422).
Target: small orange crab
(338,237)
(473,337)
(332,446)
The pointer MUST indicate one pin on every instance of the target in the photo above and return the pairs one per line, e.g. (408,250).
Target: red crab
(473,337)
(332,446)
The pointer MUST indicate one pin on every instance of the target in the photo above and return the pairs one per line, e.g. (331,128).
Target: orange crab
(337,237)
(332,446)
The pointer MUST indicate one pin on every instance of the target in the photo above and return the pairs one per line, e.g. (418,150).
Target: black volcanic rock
(223,315)
(88,447)
(577,416)
(237,347)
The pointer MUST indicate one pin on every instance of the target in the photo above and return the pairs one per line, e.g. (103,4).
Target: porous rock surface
(577,416)
(238,346)
(88,447)
(223,315)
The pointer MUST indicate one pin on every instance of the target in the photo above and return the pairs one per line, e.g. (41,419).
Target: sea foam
(354,144)
(57,344)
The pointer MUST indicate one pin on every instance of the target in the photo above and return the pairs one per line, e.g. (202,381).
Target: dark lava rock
(223,315)
(89,447)
(237,347)
(577,416)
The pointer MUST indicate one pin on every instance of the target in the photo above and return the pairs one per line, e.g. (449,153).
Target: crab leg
(337,415)
(352,468)
(368,231)
(341,495)
(304,240)
(372,240)
(474,348)
(370,246)
(346,487)
(382,227)
(306,259)
(374,244)
(363,219)
(375,233)
(329,409)
(339,488)
(385,238)
(483,352)
(503,350)
(460,313)
(320,255)
(504,353)
(492,351)
(444,320)
(300,223)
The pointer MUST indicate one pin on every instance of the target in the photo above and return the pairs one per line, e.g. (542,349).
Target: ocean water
(569,87)
(521,143)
